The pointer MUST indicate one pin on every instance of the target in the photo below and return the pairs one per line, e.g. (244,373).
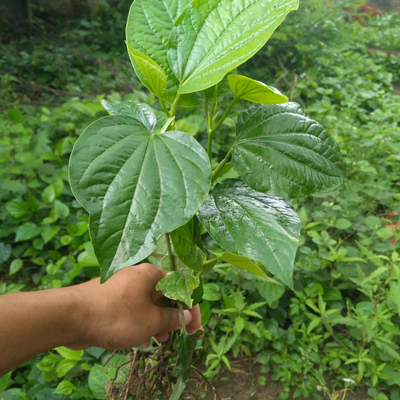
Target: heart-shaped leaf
(212,37)
(255,91)
(280,151)
(136,184)
(252,224)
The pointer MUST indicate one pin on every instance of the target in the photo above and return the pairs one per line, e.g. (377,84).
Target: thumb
(171,319)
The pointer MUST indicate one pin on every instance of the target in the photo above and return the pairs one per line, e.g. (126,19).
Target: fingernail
(188,316)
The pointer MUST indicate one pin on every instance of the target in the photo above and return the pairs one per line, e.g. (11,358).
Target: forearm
(31,323)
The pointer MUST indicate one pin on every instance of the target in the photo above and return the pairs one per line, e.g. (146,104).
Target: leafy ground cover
(342,319)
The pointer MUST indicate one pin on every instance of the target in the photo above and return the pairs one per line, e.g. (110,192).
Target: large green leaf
(147,31)
(252,224)
(136,184)
(212,37)
(248,89)
(280,151)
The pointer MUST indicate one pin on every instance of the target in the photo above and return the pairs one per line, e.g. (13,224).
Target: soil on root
(150,377)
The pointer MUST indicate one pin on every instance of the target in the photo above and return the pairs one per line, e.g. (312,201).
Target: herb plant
(154,191)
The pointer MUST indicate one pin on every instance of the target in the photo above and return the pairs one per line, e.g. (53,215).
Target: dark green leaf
(17,208)
(149,117)
(5,252)
(280,151)
(184,240)
(270,291)
(185,348)
(212,37)
(255,91)
(245,222)
(136,185)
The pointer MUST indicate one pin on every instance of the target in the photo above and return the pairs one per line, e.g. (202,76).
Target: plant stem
(209,129)
(170,256)
(214,104)
(224,115)
(164,107)
(221,165)
(174,106)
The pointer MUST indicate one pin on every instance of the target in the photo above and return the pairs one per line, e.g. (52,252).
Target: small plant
(154,191)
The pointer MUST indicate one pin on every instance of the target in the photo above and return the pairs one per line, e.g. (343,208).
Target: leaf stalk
(220,166)
(225,114)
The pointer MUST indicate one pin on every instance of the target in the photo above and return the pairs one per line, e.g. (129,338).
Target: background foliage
(342,319)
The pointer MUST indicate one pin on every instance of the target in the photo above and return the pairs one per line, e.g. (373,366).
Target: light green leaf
(147,31)
(178,286)
(388,347)
(15,266)
(61,209)
(64,387)
(255,91)
(136,185)
(17,208)
(69,354)
(152,75)
(64,366)
(27,231)
(280,151)
(212,37)
(244,263)
(245,222)
(342,223)
(49,194)
(313,324)
(4,381)
(211,292)
(395,294)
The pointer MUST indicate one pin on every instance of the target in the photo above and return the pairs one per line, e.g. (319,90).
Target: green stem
(214,105)
(225,114)
(209,129)
(164,107)
(221,165)
(174,106)
(210,261)
(178,389)
(170,256)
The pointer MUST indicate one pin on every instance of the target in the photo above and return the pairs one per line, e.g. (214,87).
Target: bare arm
(122,313)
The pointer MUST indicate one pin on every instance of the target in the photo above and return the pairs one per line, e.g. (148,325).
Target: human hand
(127,310)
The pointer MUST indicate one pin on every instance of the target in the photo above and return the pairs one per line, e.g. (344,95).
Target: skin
(124,312)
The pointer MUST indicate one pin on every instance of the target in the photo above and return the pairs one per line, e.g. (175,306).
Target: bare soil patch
(242,384)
